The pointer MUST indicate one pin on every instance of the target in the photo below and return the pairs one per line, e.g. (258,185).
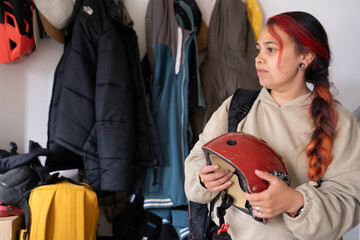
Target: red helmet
(16,30)
(242,154)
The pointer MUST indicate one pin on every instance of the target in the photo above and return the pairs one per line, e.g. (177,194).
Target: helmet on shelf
(16,30)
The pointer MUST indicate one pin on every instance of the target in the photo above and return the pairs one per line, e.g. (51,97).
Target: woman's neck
(282,98)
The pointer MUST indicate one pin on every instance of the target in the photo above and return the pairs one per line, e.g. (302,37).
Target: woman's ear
(308,58)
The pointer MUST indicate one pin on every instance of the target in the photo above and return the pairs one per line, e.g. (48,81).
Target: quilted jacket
(99,113)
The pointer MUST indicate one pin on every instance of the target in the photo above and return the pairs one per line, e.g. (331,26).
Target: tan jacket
(330,210)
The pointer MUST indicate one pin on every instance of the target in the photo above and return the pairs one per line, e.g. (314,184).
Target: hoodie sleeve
(332,209)
(217,125)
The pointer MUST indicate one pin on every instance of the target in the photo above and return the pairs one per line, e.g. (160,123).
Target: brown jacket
(230,58)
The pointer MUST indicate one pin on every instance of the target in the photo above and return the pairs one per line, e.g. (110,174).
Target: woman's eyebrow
(267,43)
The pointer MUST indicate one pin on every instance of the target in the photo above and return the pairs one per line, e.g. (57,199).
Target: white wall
(25,88)
(25,91)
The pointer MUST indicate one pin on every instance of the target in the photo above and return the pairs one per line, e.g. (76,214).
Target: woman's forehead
(267,37)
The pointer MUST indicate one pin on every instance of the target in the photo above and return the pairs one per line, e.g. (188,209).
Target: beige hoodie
(330,210)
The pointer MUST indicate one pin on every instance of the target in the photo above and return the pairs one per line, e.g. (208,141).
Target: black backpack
(13,151)
(20,173)
(200,225)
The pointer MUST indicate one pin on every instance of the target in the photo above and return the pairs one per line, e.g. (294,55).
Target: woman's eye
(267,50)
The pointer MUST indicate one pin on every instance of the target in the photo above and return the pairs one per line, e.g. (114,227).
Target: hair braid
(324,118)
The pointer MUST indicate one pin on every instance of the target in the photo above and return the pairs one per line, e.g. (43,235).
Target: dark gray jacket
(99,111)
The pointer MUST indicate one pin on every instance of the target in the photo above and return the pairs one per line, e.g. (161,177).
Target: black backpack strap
(240,105)
(226,202)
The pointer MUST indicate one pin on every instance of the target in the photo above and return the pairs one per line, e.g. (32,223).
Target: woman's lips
(260,71)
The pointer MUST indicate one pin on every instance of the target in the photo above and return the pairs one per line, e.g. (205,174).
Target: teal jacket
(168,51)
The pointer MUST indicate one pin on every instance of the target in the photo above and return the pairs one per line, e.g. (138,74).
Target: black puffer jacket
(99,112)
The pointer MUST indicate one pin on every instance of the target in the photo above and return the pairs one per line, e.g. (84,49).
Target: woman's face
(286,75)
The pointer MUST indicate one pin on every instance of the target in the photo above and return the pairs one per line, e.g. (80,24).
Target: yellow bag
(63,210)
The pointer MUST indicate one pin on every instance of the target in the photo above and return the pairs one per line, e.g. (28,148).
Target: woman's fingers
(215,181)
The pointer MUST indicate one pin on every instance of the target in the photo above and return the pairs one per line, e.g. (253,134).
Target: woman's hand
(278,198)
(215,181)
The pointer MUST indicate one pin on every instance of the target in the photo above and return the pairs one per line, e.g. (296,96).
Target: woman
(316,136)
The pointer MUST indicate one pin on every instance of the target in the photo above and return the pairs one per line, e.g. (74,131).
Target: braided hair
(310,36)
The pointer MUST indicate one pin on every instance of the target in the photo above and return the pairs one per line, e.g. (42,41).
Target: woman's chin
(263,82)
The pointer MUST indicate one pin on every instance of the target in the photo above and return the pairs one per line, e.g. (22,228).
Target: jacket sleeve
(332,209)
(115,114)
(217,125)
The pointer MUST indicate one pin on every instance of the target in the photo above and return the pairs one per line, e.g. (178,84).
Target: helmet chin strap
(234,194)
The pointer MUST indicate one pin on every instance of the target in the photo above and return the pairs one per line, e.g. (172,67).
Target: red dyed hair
(297,32)
(309,35)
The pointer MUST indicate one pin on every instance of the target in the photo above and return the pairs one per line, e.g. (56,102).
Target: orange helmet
(242,154)
(16,30)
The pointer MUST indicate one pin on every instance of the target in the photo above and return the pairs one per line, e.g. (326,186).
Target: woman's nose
(259,59)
